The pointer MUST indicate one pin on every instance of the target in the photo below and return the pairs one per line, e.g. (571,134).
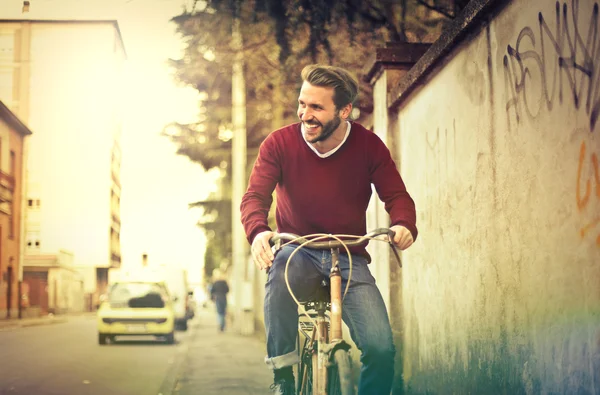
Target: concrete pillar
(242,295)
(23,51)
(384,71)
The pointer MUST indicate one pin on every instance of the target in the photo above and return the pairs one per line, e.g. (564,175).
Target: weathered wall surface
(499,148)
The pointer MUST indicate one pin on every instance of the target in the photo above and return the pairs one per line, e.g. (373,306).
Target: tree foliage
(215,214)
(279,38)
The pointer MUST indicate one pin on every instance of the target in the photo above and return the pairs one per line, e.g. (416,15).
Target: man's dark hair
(345,86)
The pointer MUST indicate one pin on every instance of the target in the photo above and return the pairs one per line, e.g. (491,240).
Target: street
(65,358)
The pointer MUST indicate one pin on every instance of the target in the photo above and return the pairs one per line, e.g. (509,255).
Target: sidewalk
(222,363)
(14,322)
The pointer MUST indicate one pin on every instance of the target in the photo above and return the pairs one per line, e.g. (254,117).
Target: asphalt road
(65,359)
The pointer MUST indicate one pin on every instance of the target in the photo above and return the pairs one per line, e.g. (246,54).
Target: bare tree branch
(439,10)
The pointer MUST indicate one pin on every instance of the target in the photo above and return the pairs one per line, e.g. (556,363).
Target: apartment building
(12,136)
(63,78)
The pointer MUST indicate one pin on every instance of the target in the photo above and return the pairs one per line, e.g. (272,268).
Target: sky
(155,218)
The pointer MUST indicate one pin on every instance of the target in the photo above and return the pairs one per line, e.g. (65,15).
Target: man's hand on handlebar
(402,238)
(261,250)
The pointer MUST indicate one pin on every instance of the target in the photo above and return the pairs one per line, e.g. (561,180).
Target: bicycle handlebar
(278,238)
(328,244)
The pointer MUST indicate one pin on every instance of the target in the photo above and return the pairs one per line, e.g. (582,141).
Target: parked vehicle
(191,305)
(176,280)
(201,297)
(133,308)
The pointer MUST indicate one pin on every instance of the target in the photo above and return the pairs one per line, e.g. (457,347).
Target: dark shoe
(283,387)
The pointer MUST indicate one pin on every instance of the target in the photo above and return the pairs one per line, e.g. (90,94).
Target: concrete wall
(65,291)
(499,147)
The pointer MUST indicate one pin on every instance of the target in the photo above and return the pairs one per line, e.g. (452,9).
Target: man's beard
(328,129)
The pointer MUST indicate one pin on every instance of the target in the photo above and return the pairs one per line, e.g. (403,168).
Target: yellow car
(134,308)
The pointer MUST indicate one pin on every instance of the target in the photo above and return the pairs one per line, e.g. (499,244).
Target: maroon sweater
(323,195)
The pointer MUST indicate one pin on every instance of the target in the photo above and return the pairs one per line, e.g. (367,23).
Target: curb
(48,321)
(220,363)
(172,377)
(29,322)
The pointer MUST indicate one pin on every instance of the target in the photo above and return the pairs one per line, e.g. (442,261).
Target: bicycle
(325,366)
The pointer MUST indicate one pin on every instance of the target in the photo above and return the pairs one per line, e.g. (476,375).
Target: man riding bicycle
(322,169)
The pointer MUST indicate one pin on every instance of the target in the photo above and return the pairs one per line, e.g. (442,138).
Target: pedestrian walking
(218,294)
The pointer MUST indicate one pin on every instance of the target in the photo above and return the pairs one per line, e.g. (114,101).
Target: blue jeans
(363,311)
(221,321)
(221,304)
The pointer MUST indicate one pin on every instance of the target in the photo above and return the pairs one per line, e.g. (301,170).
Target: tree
(280,37)
(216,213)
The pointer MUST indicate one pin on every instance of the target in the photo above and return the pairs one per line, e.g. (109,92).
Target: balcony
(115,260)
(7,188)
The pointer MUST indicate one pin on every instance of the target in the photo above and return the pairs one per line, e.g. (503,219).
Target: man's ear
(346,111)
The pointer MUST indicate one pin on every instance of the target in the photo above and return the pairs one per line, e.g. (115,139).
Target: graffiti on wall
(443,149)
(588,189)
(441,145)
(559,58)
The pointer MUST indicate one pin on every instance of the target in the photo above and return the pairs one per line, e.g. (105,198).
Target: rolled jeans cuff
(283,361)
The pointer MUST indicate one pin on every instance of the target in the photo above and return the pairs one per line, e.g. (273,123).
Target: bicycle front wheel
(305,374)
(340,374)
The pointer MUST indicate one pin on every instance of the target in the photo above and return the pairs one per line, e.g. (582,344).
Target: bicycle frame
(326,333)
(325,336)
(321,333)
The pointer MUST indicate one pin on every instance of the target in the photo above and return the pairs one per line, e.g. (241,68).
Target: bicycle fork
(335,284)
(319,358)
(326,332)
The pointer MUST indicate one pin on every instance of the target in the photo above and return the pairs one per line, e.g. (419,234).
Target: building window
(12,163)
(33,241)
(11,226)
